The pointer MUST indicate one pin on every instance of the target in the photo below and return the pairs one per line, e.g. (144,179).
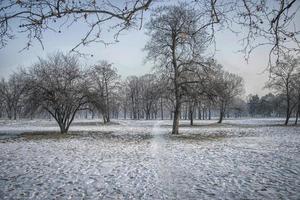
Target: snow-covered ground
(240,159)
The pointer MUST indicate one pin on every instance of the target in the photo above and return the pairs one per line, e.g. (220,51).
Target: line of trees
(285,82)
(269,105)
(59,87)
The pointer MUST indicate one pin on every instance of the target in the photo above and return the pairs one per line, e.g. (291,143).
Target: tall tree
(177,40)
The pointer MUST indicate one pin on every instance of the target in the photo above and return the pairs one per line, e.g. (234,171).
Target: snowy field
(240,159)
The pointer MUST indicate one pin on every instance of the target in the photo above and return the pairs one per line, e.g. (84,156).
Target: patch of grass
(94,123)
(45,135)
(93,135)
(196,137)
(210,125)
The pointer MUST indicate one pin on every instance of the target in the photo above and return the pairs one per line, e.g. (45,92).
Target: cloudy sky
(128,56)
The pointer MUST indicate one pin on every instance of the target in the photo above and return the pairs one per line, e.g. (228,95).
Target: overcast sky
(128,56)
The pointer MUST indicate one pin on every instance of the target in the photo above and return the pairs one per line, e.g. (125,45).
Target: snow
(241,159)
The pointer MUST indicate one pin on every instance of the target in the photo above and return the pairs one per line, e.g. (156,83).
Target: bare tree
(281,80)
(59,86)
(227,87)
(296,86)
(12,92)
(149,93)
(177,41)
(134,95)
(105,83)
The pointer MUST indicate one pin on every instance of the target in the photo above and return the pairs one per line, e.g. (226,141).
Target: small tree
(227,86)
(296,86)
(105,83)
(59,86)
(253,105)
(149,93)
(12,92)
(134,96)
(281,80)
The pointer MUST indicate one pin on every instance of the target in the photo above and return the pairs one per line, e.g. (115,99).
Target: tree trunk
(287,106)
(63,128)
(9,113)
(176,118)
(186,113)
(222,110)
(176,88)
(209,113)
(199,113)
(191,116)
(287,117)
(221,117)
(15,114)
(104,119)
(125,113)
(107,110)
(297,113)
(161,109)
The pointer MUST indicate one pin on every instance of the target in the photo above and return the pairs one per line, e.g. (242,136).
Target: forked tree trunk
(63,127)
(63,130)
